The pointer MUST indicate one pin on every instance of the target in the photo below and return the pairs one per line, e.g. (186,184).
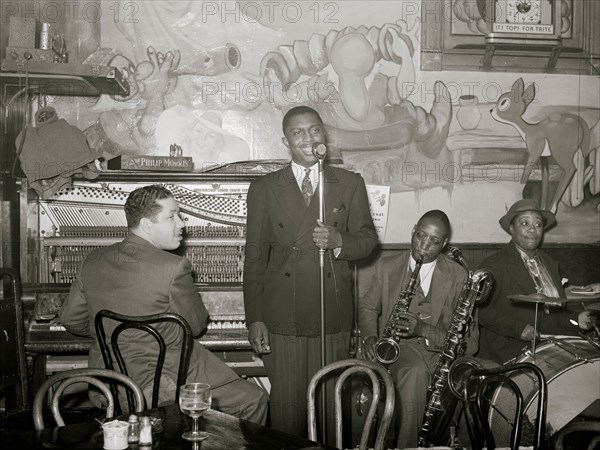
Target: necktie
(541,278)
(307,189)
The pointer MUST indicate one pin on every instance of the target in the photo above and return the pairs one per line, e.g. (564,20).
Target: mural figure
(364,109)
(358,79)
(131,130)
(559,136)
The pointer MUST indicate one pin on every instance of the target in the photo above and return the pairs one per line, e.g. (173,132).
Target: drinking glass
(194,400)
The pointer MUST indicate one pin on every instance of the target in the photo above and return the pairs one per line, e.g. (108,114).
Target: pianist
(138,277)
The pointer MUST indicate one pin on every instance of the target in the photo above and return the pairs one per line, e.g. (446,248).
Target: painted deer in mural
(558,135)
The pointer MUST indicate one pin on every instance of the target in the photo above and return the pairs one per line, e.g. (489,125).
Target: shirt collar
(524,255)
(299,173)
(425,267)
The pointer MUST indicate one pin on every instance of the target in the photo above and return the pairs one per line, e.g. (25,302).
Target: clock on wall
(533,19)
(529,25)
(523,11)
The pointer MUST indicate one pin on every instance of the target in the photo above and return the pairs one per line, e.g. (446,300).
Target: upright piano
(63,229)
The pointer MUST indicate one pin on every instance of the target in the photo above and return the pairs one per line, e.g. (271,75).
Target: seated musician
(438,285)
(138,277)
(522,268)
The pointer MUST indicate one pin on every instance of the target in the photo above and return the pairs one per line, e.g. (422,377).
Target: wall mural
(565,137)
(218,88)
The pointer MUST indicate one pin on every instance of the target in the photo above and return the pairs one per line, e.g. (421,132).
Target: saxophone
(387,349)
(441,402)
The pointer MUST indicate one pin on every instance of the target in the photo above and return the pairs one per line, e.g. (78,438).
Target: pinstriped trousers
(290,366)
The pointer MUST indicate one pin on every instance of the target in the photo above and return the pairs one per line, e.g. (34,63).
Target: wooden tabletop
(226,433)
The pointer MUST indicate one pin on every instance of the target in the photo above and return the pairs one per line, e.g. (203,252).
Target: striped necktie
(307,189)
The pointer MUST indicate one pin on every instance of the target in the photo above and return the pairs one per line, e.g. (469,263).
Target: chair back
(145,323)
(91,376)
(375,373)
(478,386)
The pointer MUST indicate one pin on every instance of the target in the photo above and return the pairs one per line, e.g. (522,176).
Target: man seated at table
(138,277)
(522,268)
(439,284)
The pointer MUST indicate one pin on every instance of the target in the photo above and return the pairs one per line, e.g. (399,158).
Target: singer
(282,270)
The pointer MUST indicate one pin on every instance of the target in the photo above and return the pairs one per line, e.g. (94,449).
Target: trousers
(412,374)
(290,366)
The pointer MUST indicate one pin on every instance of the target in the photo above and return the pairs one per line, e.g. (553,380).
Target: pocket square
(341,209)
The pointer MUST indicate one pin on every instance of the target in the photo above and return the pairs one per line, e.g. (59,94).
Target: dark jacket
(133,277)
(502,320)
(390,278)
(282,270)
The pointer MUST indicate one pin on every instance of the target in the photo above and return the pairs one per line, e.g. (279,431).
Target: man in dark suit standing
(138,277)
(438,286)
(282,270)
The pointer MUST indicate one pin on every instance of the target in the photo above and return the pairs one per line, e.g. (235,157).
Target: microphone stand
(321,193)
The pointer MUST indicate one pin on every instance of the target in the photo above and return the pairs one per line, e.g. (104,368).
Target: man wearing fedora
(520,267)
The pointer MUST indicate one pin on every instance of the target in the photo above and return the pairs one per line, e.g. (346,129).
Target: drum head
(572,370)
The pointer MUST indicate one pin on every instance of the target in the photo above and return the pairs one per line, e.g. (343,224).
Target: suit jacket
(282,270)
(135,278)
(391,277)
(502,320)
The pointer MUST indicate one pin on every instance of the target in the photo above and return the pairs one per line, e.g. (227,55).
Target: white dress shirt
(425,274)
(299,173)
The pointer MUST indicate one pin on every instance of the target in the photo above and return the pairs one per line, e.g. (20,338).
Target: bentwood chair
(479,385)
(146,324)
(57,383)
(375,372)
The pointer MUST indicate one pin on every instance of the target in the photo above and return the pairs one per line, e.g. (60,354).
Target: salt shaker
(134,429)
(145,431)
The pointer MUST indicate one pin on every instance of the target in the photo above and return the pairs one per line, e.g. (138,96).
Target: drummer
(520,267)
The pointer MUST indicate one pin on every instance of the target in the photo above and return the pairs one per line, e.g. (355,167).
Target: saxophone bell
(387,351)
(459,373)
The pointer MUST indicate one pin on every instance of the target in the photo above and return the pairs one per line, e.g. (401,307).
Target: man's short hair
(438,216)
(296,111)
(142,202)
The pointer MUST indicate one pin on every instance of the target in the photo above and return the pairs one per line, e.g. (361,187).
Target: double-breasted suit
(281,270)
(282,280)
(502,320)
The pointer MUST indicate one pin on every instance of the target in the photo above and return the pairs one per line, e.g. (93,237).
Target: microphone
(457,256)
(319,150)
(454,252)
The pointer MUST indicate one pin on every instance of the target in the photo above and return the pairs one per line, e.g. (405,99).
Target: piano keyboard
(228,334)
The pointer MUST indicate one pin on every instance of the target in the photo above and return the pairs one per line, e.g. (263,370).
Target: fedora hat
(526,204)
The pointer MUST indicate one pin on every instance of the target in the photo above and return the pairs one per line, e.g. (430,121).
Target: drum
(571,366)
